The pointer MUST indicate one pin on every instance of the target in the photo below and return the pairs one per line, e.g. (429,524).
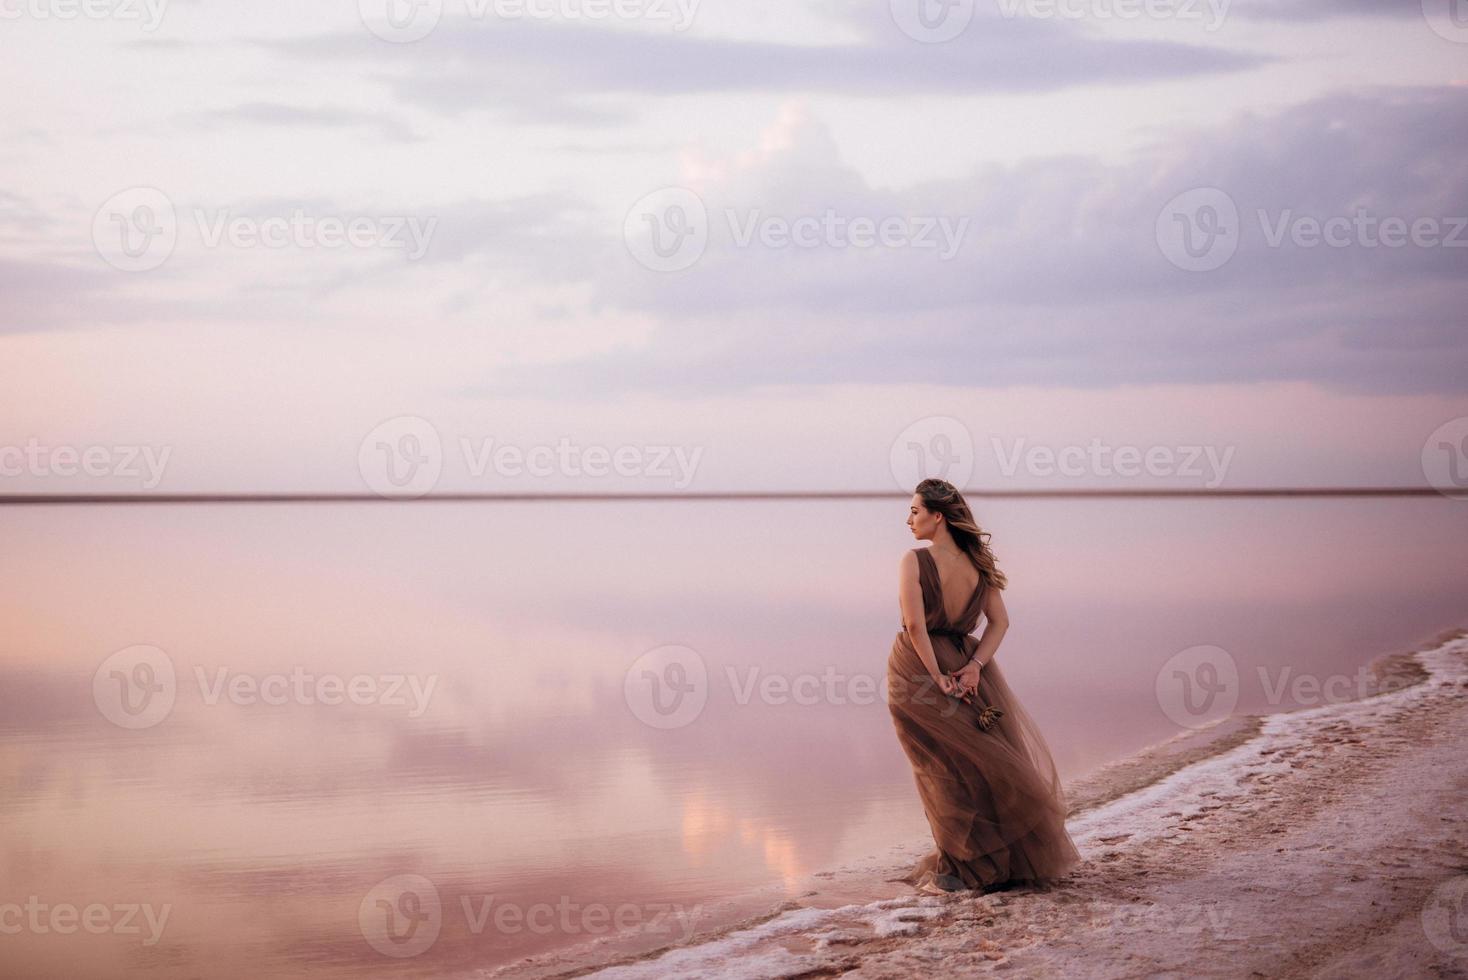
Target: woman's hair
(943,497)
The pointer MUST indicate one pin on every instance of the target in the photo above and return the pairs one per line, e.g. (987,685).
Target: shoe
(942,885)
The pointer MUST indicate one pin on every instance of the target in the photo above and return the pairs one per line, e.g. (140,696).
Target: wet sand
(1326,842)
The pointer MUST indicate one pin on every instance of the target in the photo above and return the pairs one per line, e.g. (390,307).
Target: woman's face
(922,521)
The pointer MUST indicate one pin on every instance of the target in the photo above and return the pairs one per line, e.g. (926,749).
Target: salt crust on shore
(1325,842)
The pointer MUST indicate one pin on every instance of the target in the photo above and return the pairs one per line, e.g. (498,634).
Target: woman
(986,779)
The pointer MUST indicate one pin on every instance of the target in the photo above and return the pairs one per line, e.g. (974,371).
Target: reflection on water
(404,740)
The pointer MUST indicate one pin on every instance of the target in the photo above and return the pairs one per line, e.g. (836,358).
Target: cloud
(1061,278)
(1311,10)
(576,74)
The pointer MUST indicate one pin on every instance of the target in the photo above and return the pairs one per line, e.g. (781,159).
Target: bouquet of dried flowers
(988,715)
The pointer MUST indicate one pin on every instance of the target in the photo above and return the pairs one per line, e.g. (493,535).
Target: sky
(405,247)
(401,244)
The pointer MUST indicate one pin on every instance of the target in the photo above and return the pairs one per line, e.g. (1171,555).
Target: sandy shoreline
(1329,841)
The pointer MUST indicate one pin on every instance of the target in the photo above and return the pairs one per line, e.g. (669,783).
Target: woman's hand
(946,683)
(967,678)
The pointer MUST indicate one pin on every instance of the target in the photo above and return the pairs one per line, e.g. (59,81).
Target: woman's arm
(914,616)
(994,629)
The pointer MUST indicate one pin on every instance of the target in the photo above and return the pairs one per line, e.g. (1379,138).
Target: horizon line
(303,497)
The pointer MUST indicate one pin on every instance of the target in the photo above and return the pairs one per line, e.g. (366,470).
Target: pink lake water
(502,773)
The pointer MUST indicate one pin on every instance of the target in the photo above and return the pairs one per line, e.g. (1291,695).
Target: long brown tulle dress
(992,797)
